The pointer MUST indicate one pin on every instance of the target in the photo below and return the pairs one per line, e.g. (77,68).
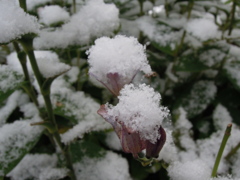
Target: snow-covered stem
(221,149)
(233,151)
(232,17)
(27,44)
(27,86)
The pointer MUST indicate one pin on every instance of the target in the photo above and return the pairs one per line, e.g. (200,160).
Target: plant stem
(23,5)
(141,13)
(233,151)
(221,149)
(27,44)
(23,61)
(232,18)
(74,6)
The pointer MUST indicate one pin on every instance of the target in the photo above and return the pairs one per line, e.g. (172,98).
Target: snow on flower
(137,120)
(115,62)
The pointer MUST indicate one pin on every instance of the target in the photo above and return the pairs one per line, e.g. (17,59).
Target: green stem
(23,61)
(233,151)
(232,17)
(74,6)
(166,8)
(221,149)
(27,44)
(23,5)
(141,13)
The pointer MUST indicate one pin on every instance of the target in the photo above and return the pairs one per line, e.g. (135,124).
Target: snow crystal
(112,141)
(139,110)
(95,19)
(203,28)
(38,167)
(194,169)
(53,14)
(15,22)
(14,138)
(122,55)
(9,79)
(221,117)
(110,167)
(12,102)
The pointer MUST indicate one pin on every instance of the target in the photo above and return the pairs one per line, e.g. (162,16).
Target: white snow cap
(14,22)
(53,14)
(122,55)
(140,111)
(95,19)
(202,28)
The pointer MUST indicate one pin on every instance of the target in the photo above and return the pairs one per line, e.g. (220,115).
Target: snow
(202,93)
(194,169)
(48,63)
(212,57)
(53,14)
(139,110)
(38,167)
(221,117)
(95,19)
(15,22)
(9,79)
(110,167)
(202,28)
(121,54)
(12,102)
(112,141)
(31,4)
(14,139)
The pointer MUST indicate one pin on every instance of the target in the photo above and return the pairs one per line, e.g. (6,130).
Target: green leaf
(9,81)
(16,140)
(190,64)
(84,148)
(232,70)
(195,101)
(165,49)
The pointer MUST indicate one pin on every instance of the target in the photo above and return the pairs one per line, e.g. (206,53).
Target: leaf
(9,81)
(198,98)
(190,64)
(165,49)
(232,70)
(16,140)
(84,148)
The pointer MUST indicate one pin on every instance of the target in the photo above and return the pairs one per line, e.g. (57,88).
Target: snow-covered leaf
(9,81)
(16,140)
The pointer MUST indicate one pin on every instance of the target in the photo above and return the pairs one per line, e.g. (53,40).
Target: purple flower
(131,141)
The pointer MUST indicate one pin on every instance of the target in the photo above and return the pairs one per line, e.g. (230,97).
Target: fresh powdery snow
(48,63)
(190,170)
(110,167)
(9,79)
(95,19)
(14,22)
(38,167)
(139,110)
(221,117)
(202,28)
(15,138)
(53,14)
(31,4)
(121,54)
